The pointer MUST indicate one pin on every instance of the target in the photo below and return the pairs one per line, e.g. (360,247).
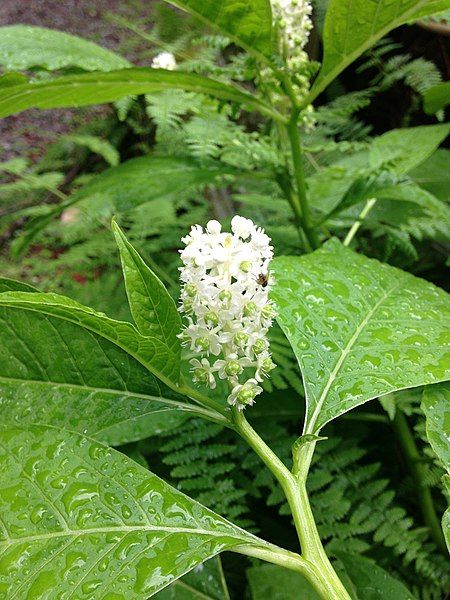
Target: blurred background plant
(161,162)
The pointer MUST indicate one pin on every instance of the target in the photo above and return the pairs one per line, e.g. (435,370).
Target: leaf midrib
(310,426)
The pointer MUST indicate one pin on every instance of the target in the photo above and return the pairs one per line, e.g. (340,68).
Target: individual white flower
(225,297)
(164,60)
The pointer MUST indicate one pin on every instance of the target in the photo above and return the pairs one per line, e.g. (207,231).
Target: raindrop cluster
(225,286)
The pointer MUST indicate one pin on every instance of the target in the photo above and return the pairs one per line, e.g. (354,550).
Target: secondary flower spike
(225,288)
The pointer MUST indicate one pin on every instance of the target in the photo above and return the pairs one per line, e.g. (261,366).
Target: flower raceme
(225,288)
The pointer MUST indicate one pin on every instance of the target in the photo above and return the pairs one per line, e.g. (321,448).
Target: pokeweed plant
(79,519)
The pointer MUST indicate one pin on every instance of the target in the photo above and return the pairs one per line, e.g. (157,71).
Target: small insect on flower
(263,279)
(225,299)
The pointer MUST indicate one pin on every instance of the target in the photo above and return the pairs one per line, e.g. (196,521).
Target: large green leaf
(249,23)
(150,351)
(277,583)
(153,309)
(80,520)
(130,184)
(99,87)
(55,371)
(434,174)
(351,27)
(25,46)
(359,328)
(436,98)
(436,406)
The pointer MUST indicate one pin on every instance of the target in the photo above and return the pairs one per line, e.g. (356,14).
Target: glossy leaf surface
(353,27)
(153,309)
(80,520)
(149,351)
(98,88)
(359,328)
(25,46)
(249,24)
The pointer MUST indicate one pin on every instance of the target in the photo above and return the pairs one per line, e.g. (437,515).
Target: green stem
(357,224)
(321,573)
(300,204)
(416,468)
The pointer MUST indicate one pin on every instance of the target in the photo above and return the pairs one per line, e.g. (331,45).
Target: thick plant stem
(321,573)
(300,203)
(413,460)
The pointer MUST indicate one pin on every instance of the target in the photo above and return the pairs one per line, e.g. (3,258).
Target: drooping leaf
(100,87)
(80,519)
(436,98)
(152,307)
(436,406)
(151,352)
(434,174)
(359,328)
(353,27)
(130,184)
(249,24)
(26,46)
(371,582)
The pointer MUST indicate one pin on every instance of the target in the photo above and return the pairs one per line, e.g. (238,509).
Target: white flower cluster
(294,19)
(164,60)
(225,299)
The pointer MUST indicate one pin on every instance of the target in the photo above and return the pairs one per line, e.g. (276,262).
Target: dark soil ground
(29,133)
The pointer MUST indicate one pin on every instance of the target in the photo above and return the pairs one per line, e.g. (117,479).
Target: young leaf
(25,46)
(153,309)
(98,88)
(151,352)
(81,519)
(248,24)
(353,27)
(359,328)
(436,98)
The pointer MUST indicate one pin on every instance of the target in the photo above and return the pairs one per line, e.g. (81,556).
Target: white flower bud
(228,308)
(164,60)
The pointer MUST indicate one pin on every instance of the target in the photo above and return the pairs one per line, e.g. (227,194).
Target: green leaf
(434,174)
(248,24)
(359,328)
(206,582)
(436,98)
(130,184)
(98,146)
(153,309)
(98,88)
(276,583)
(25,46)
(81,519)
(371,582)
(57,372)
(353,27)
(436,406)
(11,285)
(150,351)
